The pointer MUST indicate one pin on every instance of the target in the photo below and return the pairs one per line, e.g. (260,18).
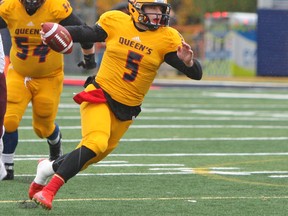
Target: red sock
(54,184)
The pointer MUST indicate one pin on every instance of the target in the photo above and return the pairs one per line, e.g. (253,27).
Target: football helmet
(136,10)
(32,5)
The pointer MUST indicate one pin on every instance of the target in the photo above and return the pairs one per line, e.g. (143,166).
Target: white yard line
(171,139)
(28,141)
(272,117)
(36,157)
(188,199)
(179,127)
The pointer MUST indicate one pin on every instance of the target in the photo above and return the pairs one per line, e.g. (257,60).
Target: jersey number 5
(132,63)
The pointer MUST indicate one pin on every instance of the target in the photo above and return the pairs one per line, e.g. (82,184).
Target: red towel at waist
(94,96)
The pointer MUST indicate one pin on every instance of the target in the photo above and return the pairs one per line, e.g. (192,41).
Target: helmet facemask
(136,9)
(32,6)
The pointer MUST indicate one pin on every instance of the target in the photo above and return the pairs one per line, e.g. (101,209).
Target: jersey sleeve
(175,40)
(61,10)
(108,21)
(6,7)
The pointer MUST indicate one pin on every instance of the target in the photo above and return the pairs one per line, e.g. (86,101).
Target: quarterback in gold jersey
(36,72)
(136,46)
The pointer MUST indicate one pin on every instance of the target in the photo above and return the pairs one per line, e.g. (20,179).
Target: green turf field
(192,151)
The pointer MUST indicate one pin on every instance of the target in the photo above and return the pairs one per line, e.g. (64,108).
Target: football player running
(3,100)
(36,72)
(136,47)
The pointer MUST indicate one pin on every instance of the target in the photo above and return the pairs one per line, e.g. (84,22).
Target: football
(57,37)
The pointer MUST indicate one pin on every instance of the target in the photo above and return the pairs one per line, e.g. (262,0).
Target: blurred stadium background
(239,38)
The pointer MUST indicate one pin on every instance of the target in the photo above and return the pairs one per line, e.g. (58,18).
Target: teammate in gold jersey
(36,72)
(136,47)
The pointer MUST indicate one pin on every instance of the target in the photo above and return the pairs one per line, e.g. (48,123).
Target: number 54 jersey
(29,56)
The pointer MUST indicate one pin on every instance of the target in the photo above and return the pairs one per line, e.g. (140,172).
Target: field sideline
(192,151)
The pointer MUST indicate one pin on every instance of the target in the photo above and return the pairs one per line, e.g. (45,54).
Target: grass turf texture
(213,151)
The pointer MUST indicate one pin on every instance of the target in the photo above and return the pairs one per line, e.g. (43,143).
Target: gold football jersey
(29,57)
(132,57)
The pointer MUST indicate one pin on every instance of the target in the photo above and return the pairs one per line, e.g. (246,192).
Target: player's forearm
(86,33)
(72,19)
(88,51)
(194,72)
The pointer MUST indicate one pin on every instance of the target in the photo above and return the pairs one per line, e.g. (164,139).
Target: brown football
(57,37)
